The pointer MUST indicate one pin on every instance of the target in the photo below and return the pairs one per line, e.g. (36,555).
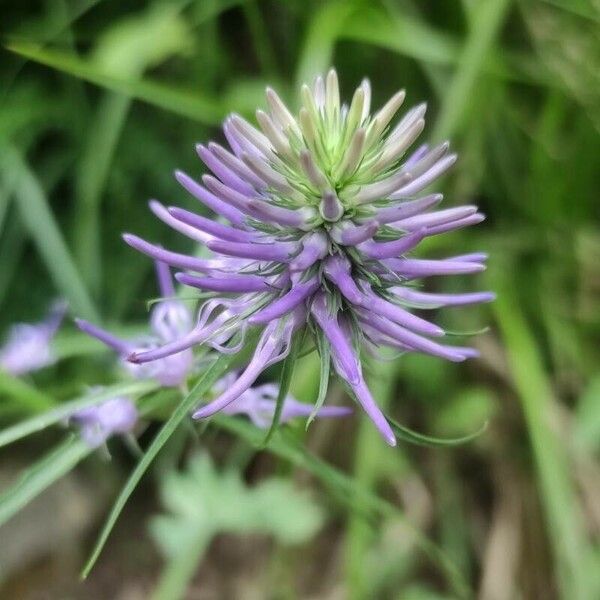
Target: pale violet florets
(170,319)
(259,404)
(316,213)
(97,424)
(29,345)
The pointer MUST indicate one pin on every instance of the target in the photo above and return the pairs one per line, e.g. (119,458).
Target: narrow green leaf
(403,34)
(10,385)
(63,18)
(486,22)
(183,102)
(41,475)
(5,194)
(406,35)
(325,358)
(581,8)
(307,352)
(37,217)
(554,470)
(12,244)
(287,370)
(26,397)
(586,434)
(317,50)
(92,174)
(468,332)
(181,412)
(261,39)
(414,437)
(208,11)
(70,343)
(128,48)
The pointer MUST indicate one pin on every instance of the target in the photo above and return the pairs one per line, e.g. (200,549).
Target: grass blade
(12,244)
(27,397)
(287,371)
(126,50)
(556,487)
(5,194)
(36,399)
(183,102)
(403,34)
(91,179)
(317,50)
(486,21)
(414,437)
(325,358)
(180,413)
(46,235)
(41,475)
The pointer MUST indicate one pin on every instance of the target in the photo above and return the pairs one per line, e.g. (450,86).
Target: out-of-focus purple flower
(170,320)
(28,347)
(322,209)
(97,423)
(259,404)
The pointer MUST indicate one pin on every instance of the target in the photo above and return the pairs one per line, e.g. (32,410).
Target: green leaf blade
(182,410)
(61,412)
(41,475)
(39,220)
(287,372)
(420,439)
(325,359)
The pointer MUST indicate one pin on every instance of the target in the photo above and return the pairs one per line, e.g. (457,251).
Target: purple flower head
(259,404)
(28,347)
(170,320)
(98,423)
(322,209)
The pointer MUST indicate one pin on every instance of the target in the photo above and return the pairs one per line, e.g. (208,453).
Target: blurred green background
(102,100)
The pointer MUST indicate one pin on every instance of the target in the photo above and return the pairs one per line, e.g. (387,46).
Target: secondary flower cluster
(316,213)
(259,404)
(98,423)
(28,347)
(169,320)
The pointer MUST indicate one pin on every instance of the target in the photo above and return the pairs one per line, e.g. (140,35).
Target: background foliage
(101,100)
